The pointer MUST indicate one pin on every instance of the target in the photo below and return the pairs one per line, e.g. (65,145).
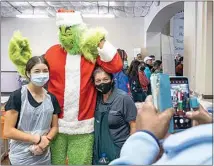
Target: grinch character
(71,65)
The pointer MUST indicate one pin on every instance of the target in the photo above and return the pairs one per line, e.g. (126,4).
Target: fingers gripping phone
(171,92)
(180,95)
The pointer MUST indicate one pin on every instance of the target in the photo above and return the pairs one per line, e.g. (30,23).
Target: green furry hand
(19,51)
(90,42)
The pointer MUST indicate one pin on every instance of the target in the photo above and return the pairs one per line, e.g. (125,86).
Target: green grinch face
(70,38)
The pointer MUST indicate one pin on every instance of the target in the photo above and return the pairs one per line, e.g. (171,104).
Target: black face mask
(104,87)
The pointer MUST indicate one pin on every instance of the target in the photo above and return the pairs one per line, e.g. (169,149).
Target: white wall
(198,46)
(124,33)
(154,23)
(42,33)
(154,44)
(159,44)
(150,16)
(153,12)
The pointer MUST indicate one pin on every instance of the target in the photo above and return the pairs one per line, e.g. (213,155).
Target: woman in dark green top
(115,117)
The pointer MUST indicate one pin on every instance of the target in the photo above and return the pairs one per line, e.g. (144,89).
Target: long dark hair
(142,66)
(133,72)
(156,65)
(122,54)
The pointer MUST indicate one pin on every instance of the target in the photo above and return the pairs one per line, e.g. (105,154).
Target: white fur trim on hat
(68,18)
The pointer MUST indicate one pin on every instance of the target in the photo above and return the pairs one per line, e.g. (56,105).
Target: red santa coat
(70,81)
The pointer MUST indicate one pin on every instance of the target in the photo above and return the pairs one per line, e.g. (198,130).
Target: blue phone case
(161,92)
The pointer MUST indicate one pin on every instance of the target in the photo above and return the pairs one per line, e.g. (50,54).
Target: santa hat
(68,18)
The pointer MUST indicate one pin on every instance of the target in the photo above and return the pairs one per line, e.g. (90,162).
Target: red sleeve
(144,82)
(113,66)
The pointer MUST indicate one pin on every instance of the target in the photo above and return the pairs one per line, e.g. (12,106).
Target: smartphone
(180,95)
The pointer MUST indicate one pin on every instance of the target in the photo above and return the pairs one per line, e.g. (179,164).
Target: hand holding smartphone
(172,92)
(180,95)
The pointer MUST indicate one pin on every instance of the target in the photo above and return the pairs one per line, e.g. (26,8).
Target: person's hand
(44,143)
(149,119)
(36,150)
(199,116)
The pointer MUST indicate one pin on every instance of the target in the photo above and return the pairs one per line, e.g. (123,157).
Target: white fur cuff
(108,52)
(76,127)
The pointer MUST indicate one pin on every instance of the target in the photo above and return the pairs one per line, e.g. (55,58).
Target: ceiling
(118,8)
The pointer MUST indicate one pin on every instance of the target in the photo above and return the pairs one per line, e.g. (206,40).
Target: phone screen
(181,102)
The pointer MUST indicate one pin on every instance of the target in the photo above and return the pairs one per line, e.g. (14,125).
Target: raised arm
(96,49)
(109,59)
(19,52)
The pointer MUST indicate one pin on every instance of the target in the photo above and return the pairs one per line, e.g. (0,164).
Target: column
(198,45)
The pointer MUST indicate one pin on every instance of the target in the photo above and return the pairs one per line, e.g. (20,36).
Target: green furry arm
(90,42)
(19,52)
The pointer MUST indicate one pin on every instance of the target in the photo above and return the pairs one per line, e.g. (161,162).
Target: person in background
(143,147)
(139,57)
(115,117)
(31,120)
(136,60)
(121,79)
(153,58)
(179,68)
(144,82)
(124,58)
(147,71)
(148,62)
(177,57)
(135,86)
(130,67)
(157,67)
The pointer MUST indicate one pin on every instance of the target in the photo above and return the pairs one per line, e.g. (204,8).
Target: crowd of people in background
(135,79)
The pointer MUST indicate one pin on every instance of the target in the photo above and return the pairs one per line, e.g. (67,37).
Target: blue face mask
(39,79)
(125,64)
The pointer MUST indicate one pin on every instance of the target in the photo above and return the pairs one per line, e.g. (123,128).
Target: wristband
(40,139)
(151,134)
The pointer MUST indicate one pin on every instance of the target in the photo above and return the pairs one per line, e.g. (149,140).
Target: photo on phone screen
(181,102)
